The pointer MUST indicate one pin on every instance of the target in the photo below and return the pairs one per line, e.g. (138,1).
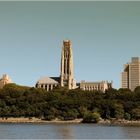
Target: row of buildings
(130,77)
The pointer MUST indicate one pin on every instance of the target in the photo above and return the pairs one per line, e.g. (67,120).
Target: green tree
(82,110)
(119,111)
(137,89)
(90,117)
(127,116)
(71,114)
(136,113)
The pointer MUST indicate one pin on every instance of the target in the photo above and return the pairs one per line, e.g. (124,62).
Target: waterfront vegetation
(64,104)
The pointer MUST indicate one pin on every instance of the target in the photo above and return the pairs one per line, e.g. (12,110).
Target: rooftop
(46,79)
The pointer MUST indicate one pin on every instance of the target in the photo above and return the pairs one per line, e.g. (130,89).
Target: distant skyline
(105,35)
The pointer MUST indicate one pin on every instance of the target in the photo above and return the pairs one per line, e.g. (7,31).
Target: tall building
(67,74)
(124,76)
(131,74)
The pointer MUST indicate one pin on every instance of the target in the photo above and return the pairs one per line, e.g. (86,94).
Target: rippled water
(67,131)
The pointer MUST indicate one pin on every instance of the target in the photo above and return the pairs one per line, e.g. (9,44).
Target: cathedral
(66,78)
(66,74)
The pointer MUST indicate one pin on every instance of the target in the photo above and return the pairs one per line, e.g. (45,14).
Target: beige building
(99,86)
(47,83)
(130,77)
(67,73)
(124,76)
(5,80)
(66,78)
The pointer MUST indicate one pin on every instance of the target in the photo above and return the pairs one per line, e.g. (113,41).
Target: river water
(67,131)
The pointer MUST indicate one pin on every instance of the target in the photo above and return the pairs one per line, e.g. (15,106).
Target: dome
(45,80)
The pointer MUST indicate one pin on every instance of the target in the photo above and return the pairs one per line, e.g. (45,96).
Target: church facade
(47,83)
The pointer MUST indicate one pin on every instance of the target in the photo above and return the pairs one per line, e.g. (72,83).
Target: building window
(36,85)
(49,87)
(45,86)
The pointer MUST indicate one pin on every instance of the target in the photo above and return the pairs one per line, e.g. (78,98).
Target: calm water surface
(67,131)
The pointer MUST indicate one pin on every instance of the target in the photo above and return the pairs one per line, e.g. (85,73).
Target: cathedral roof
(45,80)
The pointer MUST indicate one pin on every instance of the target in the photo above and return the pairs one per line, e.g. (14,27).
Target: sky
(104,34)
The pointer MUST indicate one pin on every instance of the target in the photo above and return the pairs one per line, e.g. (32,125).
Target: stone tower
(67,75)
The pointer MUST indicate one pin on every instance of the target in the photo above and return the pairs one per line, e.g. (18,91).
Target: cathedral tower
(67,75)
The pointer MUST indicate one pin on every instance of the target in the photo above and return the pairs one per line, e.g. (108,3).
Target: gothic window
(36,85)
(49,87)
(46,86)
(64,66)
(68,66)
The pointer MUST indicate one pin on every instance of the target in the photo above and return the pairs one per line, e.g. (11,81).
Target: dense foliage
(19,101)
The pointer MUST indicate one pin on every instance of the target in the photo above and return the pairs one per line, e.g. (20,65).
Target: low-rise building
(99,86)
(47,83)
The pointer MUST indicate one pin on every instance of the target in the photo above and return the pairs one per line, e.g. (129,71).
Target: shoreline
(120,122)
(36,120)
(76,121)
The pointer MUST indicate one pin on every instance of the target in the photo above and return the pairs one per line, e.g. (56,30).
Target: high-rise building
(67,74)
(124,76)
(131,74)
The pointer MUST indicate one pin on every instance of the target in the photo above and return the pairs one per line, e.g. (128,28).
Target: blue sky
(104,35)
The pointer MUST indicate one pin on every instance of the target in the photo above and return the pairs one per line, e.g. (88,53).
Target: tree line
(64,104)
